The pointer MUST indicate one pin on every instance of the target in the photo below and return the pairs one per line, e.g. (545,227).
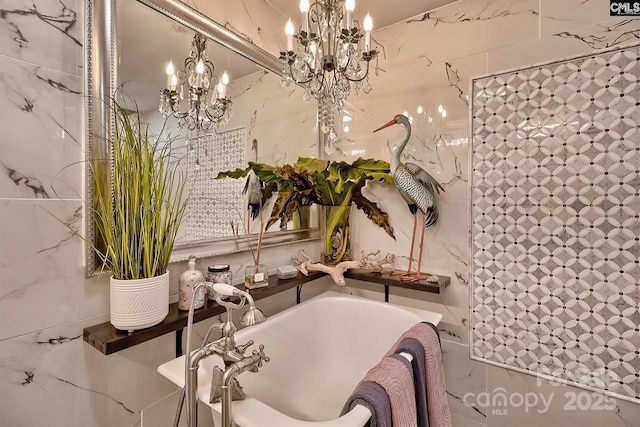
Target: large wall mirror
(132,41)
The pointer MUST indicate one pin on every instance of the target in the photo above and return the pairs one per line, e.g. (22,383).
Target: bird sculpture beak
(386,125)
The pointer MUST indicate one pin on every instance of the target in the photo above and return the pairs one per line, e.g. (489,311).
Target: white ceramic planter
(139,304)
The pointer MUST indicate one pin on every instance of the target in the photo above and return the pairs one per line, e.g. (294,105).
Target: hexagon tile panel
(555,221)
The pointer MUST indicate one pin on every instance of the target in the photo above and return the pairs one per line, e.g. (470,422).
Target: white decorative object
(139,304)
(554,211)
(287,272)
(337,271)
(186,282)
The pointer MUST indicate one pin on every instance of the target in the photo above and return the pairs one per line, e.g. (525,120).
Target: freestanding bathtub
(319,351)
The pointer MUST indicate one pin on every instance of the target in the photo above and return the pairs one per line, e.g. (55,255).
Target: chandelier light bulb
(368,23)
(444,113)
(349,6)
(420,110)
(199,72)
(174,82)
(288,30)
(304,9)
(368,26)
(170,71)
(440,108)
(225,78)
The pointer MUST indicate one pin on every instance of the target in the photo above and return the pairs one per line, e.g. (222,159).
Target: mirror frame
(100,83)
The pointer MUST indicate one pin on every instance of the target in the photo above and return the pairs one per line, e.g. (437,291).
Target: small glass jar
(256,276)
(219,273)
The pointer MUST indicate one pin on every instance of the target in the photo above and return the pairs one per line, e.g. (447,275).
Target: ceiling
(383,12)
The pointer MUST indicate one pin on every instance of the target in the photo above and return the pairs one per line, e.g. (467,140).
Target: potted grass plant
(138,208)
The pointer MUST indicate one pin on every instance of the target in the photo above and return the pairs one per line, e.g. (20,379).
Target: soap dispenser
(188,279)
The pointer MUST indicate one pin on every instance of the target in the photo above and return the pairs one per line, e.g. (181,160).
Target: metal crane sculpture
(419,190)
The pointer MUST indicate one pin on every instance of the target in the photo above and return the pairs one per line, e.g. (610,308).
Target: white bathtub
(319,351)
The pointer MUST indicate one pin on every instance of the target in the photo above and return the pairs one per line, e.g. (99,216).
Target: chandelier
(208,105)
(333,51)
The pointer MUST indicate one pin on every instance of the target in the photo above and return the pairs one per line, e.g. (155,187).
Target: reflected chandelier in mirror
(204,112)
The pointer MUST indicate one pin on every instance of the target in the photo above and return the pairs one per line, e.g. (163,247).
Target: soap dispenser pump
(188,279)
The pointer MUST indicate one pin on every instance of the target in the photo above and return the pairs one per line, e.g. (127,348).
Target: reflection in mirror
(264,123)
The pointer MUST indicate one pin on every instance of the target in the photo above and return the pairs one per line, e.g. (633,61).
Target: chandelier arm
(304,82)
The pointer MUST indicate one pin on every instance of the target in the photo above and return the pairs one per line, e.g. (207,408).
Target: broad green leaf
(326,190)
(310,165)
(235,174)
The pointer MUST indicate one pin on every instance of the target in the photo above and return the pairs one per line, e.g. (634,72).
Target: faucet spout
(249,363)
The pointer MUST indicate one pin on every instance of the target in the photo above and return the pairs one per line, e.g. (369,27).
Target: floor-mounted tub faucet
(224,385)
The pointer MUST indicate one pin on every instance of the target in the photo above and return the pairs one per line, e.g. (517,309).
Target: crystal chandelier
(333,51)
(198,80)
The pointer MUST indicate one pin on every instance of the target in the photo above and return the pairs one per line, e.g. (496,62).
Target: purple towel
(394,375)
(372,396)
(416,350)
(437,402)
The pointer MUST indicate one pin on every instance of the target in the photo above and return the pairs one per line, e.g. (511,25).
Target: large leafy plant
(323,182)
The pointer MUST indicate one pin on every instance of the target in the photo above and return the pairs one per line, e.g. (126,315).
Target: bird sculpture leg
(413,240)
(410,276)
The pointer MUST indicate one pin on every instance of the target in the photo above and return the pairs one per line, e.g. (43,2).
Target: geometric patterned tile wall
(555,211)
(214,204)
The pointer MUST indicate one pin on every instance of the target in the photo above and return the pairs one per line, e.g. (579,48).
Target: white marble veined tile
(458,30)
(567,15)
(279,119)
(463,376)
(162,413)
(44,32)
(576,41)
(52,377)
(41,148)
(254,20)
(551,403)
(41,267)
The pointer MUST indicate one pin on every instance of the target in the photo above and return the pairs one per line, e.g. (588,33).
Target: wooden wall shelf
(109,340)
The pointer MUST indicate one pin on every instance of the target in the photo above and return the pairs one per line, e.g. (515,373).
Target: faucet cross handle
(241,349)
(260,352)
